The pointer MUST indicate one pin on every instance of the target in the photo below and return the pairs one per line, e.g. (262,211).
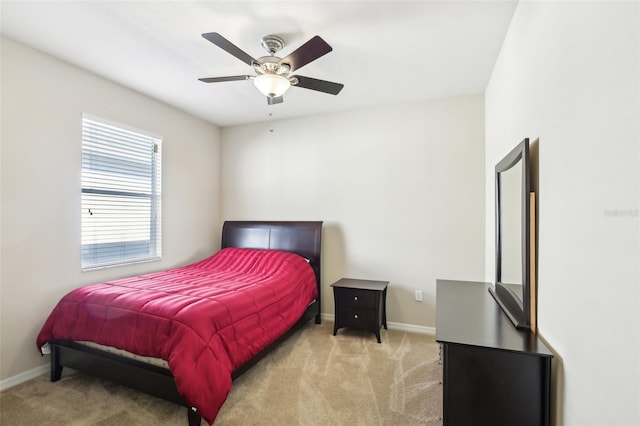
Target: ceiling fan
(273,77)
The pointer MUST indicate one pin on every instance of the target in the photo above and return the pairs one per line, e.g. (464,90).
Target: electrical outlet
(418,295)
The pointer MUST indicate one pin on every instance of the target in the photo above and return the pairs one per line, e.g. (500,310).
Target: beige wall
(42,102)
(400,190)
(568,74)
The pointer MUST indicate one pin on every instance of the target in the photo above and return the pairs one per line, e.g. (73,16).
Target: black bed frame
(303,238)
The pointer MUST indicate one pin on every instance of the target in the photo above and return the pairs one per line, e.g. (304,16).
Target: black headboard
(303,238)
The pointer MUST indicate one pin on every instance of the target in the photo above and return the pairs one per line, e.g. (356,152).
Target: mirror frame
(518,310)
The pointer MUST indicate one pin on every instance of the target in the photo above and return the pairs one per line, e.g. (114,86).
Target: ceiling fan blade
(308,52)
(318,85)
(229,47)
(274,100)
(221,79)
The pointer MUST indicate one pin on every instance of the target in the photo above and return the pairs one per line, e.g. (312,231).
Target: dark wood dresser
(493,374)
(360,304)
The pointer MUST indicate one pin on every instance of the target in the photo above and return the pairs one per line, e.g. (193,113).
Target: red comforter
(205,319)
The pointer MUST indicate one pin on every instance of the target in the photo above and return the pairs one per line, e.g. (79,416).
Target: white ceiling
(384,52)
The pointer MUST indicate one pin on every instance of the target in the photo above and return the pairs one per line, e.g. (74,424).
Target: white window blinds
(121,194)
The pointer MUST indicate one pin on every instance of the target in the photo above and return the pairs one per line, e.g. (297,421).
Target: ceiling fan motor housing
(271,65)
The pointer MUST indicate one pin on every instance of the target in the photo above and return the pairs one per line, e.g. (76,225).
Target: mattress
(158,362)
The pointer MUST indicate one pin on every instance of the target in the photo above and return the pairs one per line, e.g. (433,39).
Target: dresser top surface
(467,314)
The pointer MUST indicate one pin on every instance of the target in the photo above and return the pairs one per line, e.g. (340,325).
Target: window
(121,194)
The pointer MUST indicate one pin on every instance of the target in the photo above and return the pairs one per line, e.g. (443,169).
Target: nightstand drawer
(355,297)
(358,318)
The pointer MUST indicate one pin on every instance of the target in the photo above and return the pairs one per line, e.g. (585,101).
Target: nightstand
(360,304)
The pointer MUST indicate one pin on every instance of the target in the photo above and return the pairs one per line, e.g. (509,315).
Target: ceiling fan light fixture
(272,85)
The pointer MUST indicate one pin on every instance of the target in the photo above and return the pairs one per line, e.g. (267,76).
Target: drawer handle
(356,316)
(355,298)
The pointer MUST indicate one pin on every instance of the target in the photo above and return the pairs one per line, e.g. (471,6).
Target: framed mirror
(513,286)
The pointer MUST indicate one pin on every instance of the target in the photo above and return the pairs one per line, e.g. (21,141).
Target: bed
(194,359)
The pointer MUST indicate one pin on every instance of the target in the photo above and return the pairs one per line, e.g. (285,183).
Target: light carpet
(313,378)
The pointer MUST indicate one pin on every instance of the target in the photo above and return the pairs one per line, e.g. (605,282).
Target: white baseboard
(421,329)
(12,381)
(412,328)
